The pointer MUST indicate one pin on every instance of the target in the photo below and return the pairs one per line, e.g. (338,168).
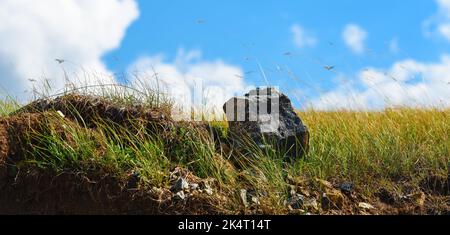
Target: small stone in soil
(180,185)
(194,186)
(243,195)
(346,187)
(180,196)
(297,201)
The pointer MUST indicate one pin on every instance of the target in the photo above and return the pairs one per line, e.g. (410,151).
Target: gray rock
(255,201)
(180,196)
(268,118)
(346,188)
(296,202)
(365,206)
(180,185)
(193,186)
(206,187)
(209,191)
(243,195)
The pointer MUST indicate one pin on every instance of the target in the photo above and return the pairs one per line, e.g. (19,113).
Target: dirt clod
(386,196)
(439,185)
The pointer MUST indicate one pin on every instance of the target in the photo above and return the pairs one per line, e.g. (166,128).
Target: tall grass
(395,143)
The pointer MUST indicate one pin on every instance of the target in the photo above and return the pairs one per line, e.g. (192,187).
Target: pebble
(209,190)
(297,201)
(243,195)
(346,187)
(61,114)
(180,185)
(366,206)
(255,201)
(194,186)
(180,196)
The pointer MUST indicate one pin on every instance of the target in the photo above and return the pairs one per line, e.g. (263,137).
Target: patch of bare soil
(437,185)
(37,192)
(89,110)
(12,133)
(318,196)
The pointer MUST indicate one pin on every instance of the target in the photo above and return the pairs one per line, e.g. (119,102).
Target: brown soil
(437,185)
(41,193)
(89,110)
(13,131)
(415,201)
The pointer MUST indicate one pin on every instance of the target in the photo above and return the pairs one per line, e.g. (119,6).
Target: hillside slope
(89,155)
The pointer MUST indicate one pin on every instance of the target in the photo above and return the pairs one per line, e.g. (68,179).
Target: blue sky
(237,30)
(165,26)
(402,45)
(234,30)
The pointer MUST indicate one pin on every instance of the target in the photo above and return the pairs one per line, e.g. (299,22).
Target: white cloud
(301,37)
(355,37)
(34,33)
(189,80)
(444,30)
(407,83)
(439,24)
(445,5)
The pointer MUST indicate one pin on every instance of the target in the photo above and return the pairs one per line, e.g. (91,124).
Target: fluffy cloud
(355,36)
(189,80)
(439,24)
(34,33)
(301,37)
(407,83)
(444,30)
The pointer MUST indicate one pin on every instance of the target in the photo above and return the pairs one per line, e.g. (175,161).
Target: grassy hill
(110,155)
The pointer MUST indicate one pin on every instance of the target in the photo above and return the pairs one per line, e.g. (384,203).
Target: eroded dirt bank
(31,190)
(40,193)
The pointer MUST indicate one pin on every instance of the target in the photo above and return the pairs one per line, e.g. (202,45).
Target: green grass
(366,148)
(64,146)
